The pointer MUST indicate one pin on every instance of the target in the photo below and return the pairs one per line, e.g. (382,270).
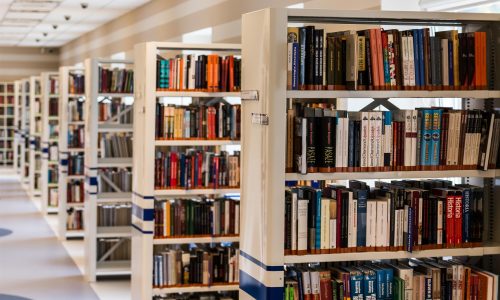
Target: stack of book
(220,121)
(52,174)
(414,279)
(75,191)
(114,214)
(75,164)
(201,217)
(200,266)
(76,83)
(386,59)
(75,111)
(212,73)
(322,139)
(401,215)
(196,169)
(108,109)
(121,178)
(76,136)
(116,80)
(116,145)
(53,107)
(74,219)
(53,85)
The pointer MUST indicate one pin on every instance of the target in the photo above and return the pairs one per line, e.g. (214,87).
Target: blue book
(381,288)
(351,152)
(450,63)
(369,283)
(436,136)
(426,137)
(421,55)
(385,60)
(183,170)
(356,284)
(295,66)
(416,57)
(318,219)
(389,280)
(302,56)
(362,196)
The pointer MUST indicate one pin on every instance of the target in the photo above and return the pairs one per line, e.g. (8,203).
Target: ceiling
(32,22)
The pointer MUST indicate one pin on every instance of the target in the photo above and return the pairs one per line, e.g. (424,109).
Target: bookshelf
(25,132)
(35,131)
(100,171)
(49,141)
(145,195)
(7,124)
(71,148)
(18,138)
(264,35)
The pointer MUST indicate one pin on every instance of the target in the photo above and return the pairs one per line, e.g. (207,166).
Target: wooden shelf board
(312,94)
(392,175)
(195,289)
(75,204)
(113,231)
(358,256)
(180,192)
(199,240)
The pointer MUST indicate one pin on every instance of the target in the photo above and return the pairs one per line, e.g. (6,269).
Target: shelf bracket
(111,250)
(379,101)
(111,183)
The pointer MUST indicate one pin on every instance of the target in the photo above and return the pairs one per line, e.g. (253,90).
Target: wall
(168,20)
(21,62)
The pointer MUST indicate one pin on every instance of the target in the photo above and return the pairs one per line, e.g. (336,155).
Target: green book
(399,288)
(334,290)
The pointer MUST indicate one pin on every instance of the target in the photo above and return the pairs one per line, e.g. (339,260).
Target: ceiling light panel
(25,15)
(33,6)
(19,22)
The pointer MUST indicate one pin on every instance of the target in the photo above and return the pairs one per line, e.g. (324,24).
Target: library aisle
(32,256)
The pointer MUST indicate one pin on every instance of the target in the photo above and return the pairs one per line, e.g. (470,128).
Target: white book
(486,157)
(411,59)
(381,223)
(306,282)
(294,221)
(365,139)
(289,65)
(371,139)
(333,233)
(185,70)
(379,159)
(325,223)
(314,282)
(461,281)
(396,228)
(440,212)
(302,224)
(339,141)
(407,115)
(404,50)
(455,291)
(345,144)
(371,209)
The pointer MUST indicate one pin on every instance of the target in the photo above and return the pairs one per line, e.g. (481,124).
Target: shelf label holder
(250,95)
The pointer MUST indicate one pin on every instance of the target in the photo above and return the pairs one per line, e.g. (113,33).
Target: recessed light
(45,34)
(54,26)
(37,40)
(67,17)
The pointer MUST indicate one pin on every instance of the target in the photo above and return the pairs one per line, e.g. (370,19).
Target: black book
(351,149)
(326,141)
(302,57)
(311,139)
(471,61)
(309,59)
(463,59)
(344,235)
(330,61)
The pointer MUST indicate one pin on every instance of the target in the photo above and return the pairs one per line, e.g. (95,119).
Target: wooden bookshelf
(7,120)
(65,178)
(48,141)
(145,147)
(94,164)
(263,184)
(35,132)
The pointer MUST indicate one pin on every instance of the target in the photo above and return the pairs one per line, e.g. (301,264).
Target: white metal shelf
(164,143)
(195,94)
(76,123)
(114,162)
(103,127)
(75,204)
(34,154)
(113,268)
(181,192)
(115,95)
(113,231)
(74,233)
(196,240)
(393,175)
(195,289)
(492,249)
(114,197)
(325,94)
(76,95)
(75,149)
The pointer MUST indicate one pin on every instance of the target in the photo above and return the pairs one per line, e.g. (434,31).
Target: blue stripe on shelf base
(64,162)
(93,180)
(45,150)
(144,197)
(261,264)
(257,289)
(145,214)
(140,230)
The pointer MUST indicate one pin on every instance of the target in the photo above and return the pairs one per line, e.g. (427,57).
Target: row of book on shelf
(116,111)
(6,100)
(197,217)
(109,179)
(122,252)
(197,169)
(116,80)
(212,73)
(385,59)
(75,192)
(53,107)
(75,110)
(74,218)
(53,85)
(217,121)
(429,278)
(322,139)
(114,214)
(115,145)
(199,266)
(76,136)
(75,163)
(76,84)
(53,194)
(401,215)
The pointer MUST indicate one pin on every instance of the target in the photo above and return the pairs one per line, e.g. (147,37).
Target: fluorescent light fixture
(20,22)
(442,5)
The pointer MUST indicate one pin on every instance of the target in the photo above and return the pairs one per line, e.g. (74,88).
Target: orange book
(380,60)
(210,72)
(231,73)
(373,50)
(216,73)
(484,78)
(477,61)
(167,219)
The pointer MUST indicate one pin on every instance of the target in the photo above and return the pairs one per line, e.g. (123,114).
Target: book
(115,80)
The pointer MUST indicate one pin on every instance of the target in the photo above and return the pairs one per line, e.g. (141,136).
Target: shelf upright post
(17,126)
(262,183)
(25,130)
(45,137)
(35,154)
(143,170)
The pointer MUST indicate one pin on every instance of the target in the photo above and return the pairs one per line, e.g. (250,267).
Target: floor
(34,264)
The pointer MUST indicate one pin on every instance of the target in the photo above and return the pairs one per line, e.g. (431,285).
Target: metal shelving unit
(7,123)
(35,134)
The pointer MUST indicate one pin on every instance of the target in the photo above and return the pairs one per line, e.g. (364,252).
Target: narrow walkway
(33,263)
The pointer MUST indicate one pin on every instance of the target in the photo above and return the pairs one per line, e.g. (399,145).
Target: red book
(325,285)
(173,169)
(373,56)
(200,169)
(231,73)
(458,218)
(450,220)
(216,171)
